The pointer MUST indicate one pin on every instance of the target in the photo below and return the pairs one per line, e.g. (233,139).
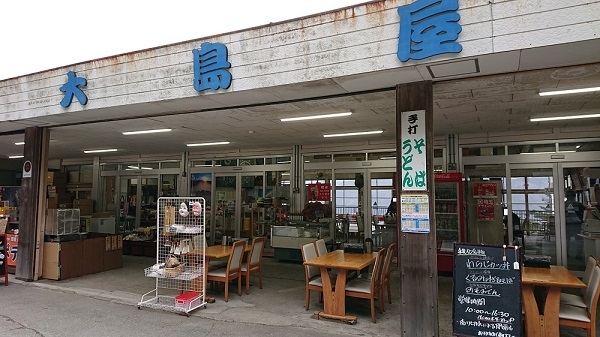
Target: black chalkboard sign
(487,291)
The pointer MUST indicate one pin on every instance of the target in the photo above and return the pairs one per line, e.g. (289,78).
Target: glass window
(109,167)
(532,148)
(483,151)
(319,158)
(170,164)
(579,147)
(168,185)
(382,192)
(226,162)
(202,163)
(140,166)
(252,161)
(382,155)
(361,156)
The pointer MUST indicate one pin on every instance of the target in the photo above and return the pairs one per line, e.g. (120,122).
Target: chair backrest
(321,247)
(237,254)
(199,241)
(587,274)
(258,245)
(377,268)
(309,252)
(593,290)
(389,256)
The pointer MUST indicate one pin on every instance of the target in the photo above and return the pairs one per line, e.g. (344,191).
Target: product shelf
(180,230)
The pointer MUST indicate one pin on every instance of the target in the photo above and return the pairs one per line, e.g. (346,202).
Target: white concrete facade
(349,42)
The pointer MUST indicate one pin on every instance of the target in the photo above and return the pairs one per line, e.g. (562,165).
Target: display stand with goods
(179,269)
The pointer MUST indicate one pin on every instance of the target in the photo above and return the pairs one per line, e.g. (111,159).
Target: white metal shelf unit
(179,270)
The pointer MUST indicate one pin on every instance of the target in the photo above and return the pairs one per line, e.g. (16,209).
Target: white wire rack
(179,269)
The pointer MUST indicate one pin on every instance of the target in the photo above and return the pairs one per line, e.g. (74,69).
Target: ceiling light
(128,133)
(207,144)
(568,91)
(99,151)
(339,114)
(20,143)
(560,118)
(353,133)
(15,157)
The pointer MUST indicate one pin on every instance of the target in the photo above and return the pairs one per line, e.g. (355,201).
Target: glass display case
(287,240)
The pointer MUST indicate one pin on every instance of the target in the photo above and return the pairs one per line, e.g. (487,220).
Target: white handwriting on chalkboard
(494,313)
(494,334)
(487,265)
(481,291)
(490,279)
(496,326)
(462,299)
(470,251)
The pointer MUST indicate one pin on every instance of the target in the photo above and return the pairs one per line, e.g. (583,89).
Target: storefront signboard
(413,151)
(12,242)
(487,291)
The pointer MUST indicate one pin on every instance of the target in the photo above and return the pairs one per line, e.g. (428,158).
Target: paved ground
(105,304)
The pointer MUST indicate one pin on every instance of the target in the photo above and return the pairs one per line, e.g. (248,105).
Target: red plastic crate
(184,300)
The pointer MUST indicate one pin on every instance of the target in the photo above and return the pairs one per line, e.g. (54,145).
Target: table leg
(533,320)
(334,298)
(551,309)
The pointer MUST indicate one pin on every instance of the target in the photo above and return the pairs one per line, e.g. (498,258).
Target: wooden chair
(386,273)
(312,274)
(232,271)
(321,247)
(199,242)
(584,318)
(369,288)
(577,299)
(254,262)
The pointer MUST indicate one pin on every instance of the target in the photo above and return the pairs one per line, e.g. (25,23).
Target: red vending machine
(449,217)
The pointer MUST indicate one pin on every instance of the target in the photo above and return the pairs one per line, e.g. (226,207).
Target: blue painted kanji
(73,88)
(211,67)
(428,28)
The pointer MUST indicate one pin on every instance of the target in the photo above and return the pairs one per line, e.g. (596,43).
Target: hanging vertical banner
(414,151)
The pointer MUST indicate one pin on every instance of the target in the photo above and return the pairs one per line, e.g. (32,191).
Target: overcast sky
(38,35)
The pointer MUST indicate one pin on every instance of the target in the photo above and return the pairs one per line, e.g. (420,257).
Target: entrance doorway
(549,201)
(364,196)
(239,204)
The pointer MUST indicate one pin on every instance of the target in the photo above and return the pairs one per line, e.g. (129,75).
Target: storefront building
(487,82)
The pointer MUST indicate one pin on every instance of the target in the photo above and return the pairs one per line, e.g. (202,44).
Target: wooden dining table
(541,288)
(334,297)
(211,252)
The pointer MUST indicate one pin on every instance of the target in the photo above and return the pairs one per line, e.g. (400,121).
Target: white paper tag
(516,265)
